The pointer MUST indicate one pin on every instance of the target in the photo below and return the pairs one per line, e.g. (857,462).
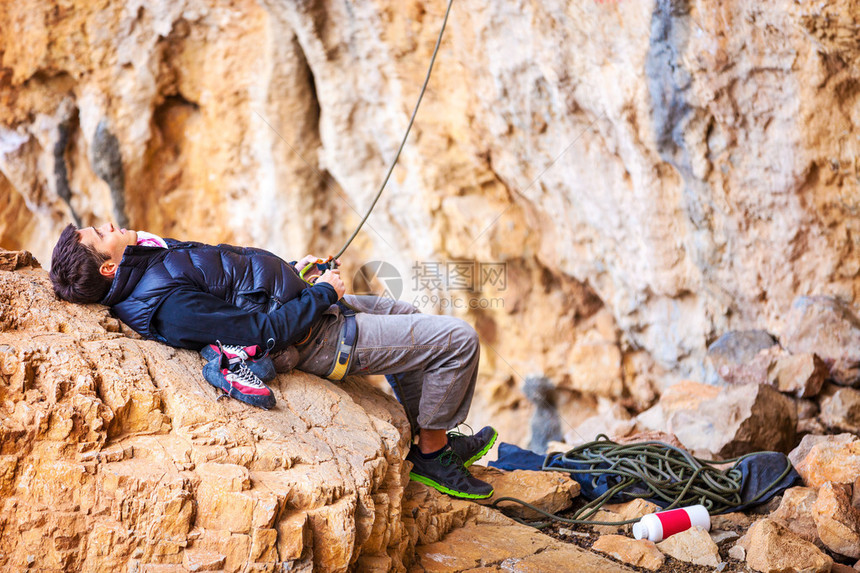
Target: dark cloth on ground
(758,471)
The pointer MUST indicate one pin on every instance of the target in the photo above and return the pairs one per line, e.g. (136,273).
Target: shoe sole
(266,402)
(439,487)
(483,451)
(235,396)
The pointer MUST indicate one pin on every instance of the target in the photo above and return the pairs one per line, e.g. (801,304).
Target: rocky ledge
(118,456)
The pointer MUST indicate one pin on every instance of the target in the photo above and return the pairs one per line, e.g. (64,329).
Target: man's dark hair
(75,269)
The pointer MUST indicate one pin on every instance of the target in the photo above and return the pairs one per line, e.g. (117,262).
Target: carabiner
(322,265)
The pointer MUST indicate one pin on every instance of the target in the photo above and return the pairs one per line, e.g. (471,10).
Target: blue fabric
(757,472)
(512,458)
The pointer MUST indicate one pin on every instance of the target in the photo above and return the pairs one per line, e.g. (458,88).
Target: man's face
(109,240)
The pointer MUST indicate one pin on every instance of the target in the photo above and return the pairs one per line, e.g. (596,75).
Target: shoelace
(240,350)
(236,350)
(455,433)
(450,457)
(241,373)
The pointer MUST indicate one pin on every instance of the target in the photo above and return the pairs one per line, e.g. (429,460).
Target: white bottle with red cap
(658,526)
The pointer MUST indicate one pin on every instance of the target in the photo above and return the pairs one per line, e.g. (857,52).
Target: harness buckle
(345,345)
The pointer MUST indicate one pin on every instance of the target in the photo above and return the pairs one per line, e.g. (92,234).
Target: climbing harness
(345,343)
(331,262)
(660,472)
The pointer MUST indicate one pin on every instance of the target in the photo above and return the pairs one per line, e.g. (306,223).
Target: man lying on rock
(236,304)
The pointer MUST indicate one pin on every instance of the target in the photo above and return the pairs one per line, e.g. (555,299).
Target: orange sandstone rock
(822,459)
(773,548)
(837,521)
(116,453)
(641,552)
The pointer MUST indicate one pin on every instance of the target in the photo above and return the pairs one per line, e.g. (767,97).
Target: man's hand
(332,277)
(312,272)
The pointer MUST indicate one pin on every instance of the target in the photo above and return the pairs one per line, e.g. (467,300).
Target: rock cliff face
(652,174)
(115,454)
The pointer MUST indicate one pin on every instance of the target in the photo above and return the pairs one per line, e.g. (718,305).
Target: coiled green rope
(661,471)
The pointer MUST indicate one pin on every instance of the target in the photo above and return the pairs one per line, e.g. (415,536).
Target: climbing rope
(331,262)
(649,470)
(405,136)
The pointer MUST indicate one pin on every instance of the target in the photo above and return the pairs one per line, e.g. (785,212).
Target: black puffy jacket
(203,293)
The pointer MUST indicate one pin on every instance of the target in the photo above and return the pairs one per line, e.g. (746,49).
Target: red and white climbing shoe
(238,381)
(254,356)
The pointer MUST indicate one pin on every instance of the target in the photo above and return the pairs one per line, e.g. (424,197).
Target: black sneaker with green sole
(472,448)
(447,474)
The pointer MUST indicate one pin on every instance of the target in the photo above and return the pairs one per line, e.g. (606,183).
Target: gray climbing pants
(430,361)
